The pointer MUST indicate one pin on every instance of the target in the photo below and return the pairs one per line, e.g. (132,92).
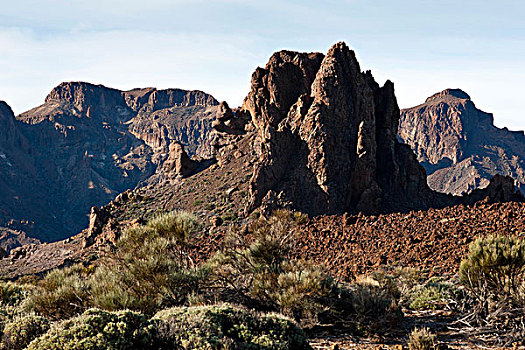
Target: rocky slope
(314,134)
(458,144)
(86,144)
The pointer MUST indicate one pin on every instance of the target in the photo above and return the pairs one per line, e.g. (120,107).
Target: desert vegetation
(148,292)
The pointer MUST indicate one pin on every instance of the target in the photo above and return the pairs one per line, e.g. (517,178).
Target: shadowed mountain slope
(88,143)
(458,144)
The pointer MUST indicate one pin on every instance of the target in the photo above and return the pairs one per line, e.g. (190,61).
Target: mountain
(88,143)
(458,144)
(314,134)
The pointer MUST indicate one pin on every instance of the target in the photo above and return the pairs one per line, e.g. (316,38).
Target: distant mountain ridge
(458,144)
(86,144)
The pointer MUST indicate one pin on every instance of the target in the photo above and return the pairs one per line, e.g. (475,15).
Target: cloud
(220,65)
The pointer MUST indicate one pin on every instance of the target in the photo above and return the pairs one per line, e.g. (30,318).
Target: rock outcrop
(326,138)
(88,143)
(458,144)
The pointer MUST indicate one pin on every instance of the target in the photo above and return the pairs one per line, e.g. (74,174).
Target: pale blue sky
(423,46)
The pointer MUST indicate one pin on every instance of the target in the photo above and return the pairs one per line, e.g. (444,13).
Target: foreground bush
(494,268)
(422,339)
(21,331)
(62,293)
(149,270)
(226,327)
(260,273)
(434,294)
(97,329)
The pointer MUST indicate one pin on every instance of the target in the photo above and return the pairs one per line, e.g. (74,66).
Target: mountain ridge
(459,145)
(91,143)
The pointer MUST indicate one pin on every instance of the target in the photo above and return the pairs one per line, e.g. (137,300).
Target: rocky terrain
(458,144)
(306,114)
(88,143)
(314,134)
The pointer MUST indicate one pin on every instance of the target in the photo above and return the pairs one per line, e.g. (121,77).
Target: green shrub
(97,329)
(177,224)
(494,268)
(21,331)
(149,270)
(62,293)
(370,299)
(11,293)
(434,294)
(422,339)
(226,327)
(260,273)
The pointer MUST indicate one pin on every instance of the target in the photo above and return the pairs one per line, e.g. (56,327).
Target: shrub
(494,268)
(20,332)
(369,299)
(177,224)
(434,294)
(226,327)
(11,293)
(399,281)
(422,339)
(261,273)
(62,293)
(97,329)
(149,270)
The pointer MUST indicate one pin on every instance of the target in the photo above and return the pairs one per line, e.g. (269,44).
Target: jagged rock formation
(459,145)
(86,144)
(314,134)
(327,138)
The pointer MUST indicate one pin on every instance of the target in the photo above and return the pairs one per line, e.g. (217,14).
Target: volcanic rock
(179,162)
(327,138)
(458,144)
(88,143)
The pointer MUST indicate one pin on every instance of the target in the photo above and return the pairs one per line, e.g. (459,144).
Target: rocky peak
(151,99)
(458,144)
(449,93)
(89,99)
(5,111)
(275,88)
(327,137)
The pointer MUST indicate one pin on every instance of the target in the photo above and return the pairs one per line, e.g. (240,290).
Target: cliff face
(90,143)
(459,145)
(326,138)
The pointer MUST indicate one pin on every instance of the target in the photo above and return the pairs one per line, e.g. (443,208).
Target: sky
(214,46)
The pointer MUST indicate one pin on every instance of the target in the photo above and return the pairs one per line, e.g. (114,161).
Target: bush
(261,274)
(149,270)
(370,299)
(494,268)
(226,327)
(62,293)
(11,293)
(178,224)
(422,339)
(97,329)
(20,332)
(435,294)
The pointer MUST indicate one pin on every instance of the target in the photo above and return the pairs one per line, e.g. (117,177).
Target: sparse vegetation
(434,294)
(422,339)
(493,273)
(494,269)
(149,270)
(97,329)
